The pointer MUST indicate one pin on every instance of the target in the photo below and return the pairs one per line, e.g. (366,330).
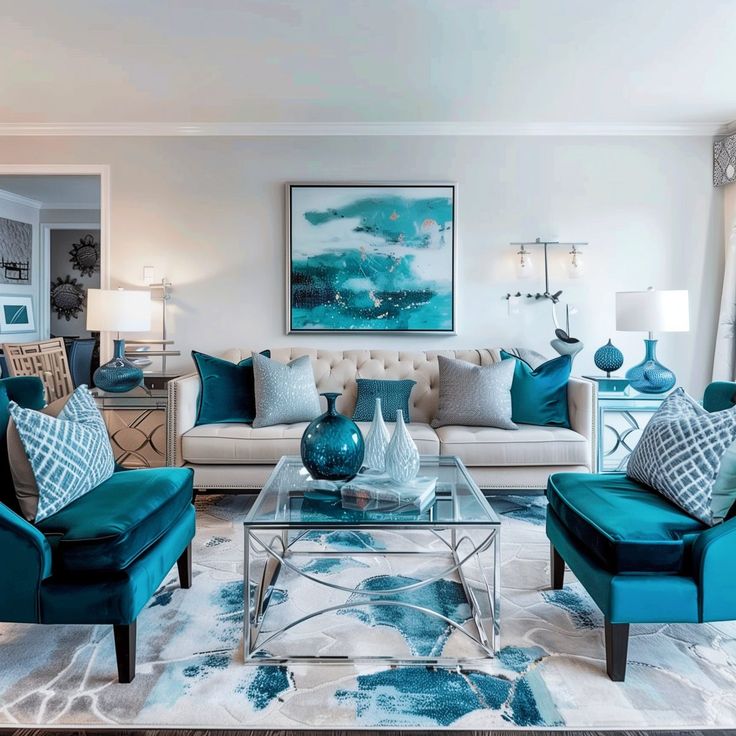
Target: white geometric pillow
(69,454)
(679,453)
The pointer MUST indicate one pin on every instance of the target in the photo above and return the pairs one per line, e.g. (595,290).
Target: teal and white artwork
(372,258)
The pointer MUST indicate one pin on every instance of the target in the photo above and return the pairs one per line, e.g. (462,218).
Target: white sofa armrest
(582,402)
(183,397)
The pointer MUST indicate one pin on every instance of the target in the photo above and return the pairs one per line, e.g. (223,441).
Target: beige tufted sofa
(235,457)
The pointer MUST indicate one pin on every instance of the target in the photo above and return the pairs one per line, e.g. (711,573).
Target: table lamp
(652,311)
(118,310)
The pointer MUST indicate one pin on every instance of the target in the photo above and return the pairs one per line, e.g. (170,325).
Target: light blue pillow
(394,395)
(680,453)
(285,392)
(69,454)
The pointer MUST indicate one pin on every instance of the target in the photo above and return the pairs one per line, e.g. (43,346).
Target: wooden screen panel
(47,360)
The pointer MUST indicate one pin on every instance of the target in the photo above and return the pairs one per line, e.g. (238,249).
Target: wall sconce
(575,267)
(525,266)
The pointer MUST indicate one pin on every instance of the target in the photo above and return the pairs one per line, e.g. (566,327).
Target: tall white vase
(402,456)
(376,441)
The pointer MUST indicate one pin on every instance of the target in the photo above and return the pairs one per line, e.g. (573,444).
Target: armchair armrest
(713,554)
(581,405)
(26,558)
(182,414)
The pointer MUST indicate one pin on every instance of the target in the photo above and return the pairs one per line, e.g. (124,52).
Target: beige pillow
(26,490)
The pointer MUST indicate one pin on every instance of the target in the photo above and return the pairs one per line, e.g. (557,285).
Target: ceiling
(55,192)
(510,62)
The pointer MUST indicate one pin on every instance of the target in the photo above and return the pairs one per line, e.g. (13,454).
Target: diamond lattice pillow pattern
(679,453)
(69,454)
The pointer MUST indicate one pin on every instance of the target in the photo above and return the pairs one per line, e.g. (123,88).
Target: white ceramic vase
(402,456)
(376,441)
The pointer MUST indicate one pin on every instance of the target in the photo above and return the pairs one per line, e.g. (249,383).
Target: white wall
(209,214)
(24,213)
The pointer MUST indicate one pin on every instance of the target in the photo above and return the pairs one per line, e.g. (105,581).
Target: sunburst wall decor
(85,255)
(67,297)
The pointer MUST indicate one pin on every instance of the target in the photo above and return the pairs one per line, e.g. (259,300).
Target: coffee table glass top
(289,499)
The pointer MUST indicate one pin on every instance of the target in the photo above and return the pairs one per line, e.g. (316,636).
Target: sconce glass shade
(575,268)
(525,264)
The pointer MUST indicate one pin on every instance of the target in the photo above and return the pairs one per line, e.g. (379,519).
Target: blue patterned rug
(550,672)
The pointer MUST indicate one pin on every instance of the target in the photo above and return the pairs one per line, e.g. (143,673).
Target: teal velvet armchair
(98,560)
(641,558)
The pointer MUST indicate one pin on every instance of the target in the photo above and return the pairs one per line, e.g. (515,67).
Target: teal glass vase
(332,446)
(119,374)
(650,376)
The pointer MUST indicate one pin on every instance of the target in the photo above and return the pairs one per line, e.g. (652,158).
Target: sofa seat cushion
(217,444)
(628,527)
(528,445)
(113,524)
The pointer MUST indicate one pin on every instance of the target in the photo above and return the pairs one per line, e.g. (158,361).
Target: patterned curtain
(724,360)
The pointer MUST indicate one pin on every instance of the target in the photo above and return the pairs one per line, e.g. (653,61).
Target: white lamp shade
(652,311)
(118,310)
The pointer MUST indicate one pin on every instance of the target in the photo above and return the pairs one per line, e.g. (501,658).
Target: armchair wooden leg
(557,567)
(184,565)
(125,636)
(617,646)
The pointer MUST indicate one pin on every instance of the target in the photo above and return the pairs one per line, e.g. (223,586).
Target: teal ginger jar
(332,446)
(608,358)
(119,374)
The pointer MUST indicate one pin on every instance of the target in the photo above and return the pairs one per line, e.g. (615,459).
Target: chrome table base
(465,553)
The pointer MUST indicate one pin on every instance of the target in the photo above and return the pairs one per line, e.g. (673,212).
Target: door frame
(101,170)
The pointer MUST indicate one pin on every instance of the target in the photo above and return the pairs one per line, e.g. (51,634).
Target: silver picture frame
(289,189)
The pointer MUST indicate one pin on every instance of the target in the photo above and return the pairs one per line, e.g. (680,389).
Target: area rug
(549,674)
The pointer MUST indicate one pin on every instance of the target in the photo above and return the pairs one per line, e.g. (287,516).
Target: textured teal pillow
(69,454)
(394,395)
(539,396)
(226,394)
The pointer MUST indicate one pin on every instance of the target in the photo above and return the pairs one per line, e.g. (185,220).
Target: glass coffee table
(313,561)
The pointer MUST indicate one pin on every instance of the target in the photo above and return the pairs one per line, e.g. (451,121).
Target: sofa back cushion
(337,370)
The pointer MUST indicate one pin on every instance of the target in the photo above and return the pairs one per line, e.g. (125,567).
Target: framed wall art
(16,244)
(371,258)
(16,314)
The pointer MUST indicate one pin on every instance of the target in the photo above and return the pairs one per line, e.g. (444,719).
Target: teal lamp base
(650,376)
(118,375)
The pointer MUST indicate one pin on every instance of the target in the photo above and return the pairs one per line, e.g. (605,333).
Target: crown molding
(95,206)
(19,199)
(362,129)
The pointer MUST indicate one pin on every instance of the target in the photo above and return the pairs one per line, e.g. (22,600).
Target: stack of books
(373,492)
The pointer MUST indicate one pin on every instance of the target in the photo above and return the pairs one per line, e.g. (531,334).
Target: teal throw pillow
(539,396)
(69,454)
(227,394)
(394,396)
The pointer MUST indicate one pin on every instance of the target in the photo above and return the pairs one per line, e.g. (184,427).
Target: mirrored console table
(621,419)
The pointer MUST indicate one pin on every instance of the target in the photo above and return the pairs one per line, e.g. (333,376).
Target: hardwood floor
(195,732)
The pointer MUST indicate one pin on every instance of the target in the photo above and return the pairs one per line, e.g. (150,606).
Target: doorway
(62,212)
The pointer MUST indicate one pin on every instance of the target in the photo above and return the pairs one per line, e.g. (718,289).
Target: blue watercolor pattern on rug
(531,508)
(346,540)
(265,686)
(581,610)
(426,635)
(331,565)
(427,697)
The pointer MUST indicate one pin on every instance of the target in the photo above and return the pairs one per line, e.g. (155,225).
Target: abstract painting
(371,258)
(16,240)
